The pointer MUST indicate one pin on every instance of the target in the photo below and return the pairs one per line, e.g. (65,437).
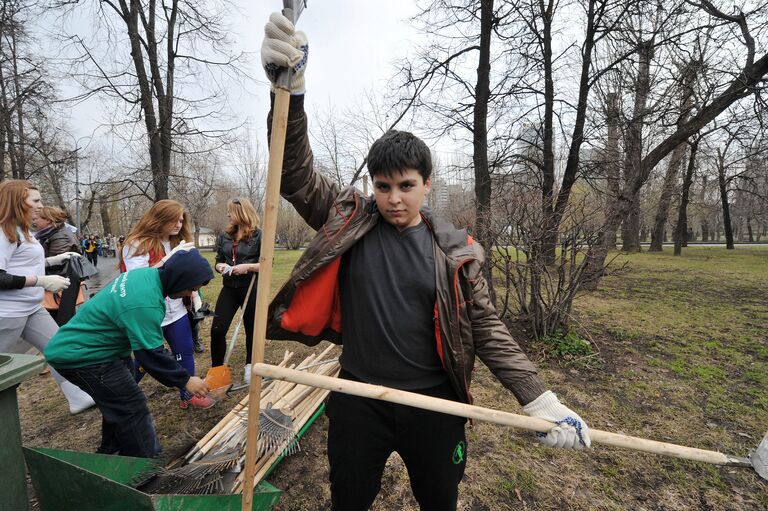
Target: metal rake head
(759,458)
(203,477)
(276,432)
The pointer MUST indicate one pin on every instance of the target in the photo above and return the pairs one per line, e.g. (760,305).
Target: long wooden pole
(274,170)
(490,415)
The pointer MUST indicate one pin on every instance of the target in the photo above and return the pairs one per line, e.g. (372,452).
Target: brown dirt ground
(506,470)
(629,391)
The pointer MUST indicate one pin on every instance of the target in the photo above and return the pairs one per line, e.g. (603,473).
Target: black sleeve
(162,367)
(8,281)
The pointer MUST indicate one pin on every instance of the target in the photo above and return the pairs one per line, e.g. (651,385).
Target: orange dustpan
(219,378)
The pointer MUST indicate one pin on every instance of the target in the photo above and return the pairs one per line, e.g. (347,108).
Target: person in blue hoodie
(93,350)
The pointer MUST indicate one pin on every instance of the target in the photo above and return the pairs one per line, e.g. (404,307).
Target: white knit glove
(197,302)
(284,47)
(183,246)
(59,259)
(52,283)
(571,432)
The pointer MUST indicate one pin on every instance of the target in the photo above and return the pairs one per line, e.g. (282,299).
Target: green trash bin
(71,480)
(14,368)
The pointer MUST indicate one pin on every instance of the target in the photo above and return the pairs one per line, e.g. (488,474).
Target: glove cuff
(546,404)
(297,84)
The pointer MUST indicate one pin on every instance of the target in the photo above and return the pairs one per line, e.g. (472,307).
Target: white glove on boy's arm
(184,245)
(570,432)
(59,259)
(284,47)
(52,283)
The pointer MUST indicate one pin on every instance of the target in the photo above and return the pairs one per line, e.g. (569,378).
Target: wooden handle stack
(300,402)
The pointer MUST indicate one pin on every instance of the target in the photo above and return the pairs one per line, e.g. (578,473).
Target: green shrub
(567,345)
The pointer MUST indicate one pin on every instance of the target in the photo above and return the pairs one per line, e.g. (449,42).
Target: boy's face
(400,197)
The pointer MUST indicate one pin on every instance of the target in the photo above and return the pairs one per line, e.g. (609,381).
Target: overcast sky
(352,45)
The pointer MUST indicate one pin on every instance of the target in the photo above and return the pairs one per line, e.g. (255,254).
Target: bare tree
(292,230)
(193,183)
(249,167)
(25,92)
(726,88)
(681,228)
(676,160)
(170,46)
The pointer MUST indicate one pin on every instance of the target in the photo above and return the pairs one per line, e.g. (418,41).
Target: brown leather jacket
(306,308)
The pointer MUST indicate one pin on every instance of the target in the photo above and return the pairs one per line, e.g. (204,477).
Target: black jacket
(248,251)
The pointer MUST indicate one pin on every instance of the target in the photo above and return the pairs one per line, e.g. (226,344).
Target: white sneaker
(247,374)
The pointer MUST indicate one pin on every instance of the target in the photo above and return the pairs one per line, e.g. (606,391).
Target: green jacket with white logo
(123,317)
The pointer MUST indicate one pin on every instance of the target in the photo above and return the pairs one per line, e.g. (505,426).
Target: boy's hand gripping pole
(292,9)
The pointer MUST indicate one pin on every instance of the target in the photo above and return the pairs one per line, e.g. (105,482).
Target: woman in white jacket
(160,232)
(23,281)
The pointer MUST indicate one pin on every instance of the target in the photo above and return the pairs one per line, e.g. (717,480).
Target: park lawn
(682,356)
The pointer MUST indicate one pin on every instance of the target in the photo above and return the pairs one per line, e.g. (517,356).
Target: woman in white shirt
(158,234)
(23,282)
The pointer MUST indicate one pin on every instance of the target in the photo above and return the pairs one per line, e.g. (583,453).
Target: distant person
(90,250)
(23,281)
(161,232)
(94,349)
(56,238)
(112,246)
(237,259)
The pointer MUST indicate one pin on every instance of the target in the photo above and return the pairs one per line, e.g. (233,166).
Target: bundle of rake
(216,463)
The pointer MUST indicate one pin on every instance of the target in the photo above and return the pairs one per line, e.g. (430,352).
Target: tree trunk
(549,225)
(749,230)
(630,230)
(21,149)
(553,219)
(160,173)
(727,226)
(106,224)
(681,228)
(675,163)
(196,223)
(480,141)
(8,140)
(612,165)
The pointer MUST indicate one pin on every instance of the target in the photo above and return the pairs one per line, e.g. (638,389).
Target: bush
(568,345)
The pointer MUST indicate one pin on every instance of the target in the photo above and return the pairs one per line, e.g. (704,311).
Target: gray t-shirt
(387,291)
(25,258)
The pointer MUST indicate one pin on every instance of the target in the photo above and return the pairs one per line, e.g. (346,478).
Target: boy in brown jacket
(404,291)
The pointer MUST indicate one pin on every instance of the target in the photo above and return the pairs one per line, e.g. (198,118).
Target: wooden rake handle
(487,414)
(271,203)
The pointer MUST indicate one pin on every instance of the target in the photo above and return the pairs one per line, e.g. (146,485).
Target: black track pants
(227,307)
(362,433)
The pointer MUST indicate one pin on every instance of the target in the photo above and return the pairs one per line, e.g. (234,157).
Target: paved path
(107,271)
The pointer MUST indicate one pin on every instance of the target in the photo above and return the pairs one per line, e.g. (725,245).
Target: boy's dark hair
(397,151)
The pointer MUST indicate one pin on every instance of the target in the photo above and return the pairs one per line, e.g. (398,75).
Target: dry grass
(683,358)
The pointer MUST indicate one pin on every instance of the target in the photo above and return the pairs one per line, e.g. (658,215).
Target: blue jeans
(126,426)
